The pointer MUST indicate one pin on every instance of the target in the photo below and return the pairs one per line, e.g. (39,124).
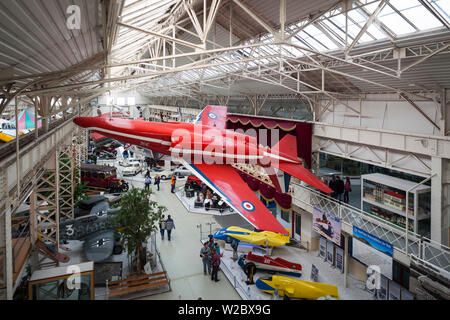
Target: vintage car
(103,177)
(131,168)
(162,173)
(182,171)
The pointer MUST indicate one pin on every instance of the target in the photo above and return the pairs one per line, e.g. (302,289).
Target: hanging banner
(340,259)
(327,225)
(372,251)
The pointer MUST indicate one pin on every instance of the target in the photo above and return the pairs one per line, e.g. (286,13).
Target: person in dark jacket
(157,181)
(332,185)
(216,264)
(162,226)
(169,226)
(339,188)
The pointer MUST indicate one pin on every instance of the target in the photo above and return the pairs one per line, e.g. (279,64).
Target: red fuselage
(193,142)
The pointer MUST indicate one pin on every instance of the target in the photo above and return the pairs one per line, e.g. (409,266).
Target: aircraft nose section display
(83,122)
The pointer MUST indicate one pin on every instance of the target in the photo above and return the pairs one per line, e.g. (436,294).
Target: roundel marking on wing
(212,115)
(247,205)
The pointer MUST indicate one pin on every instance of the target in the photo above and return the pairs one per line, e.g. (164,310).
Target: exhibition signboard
(340,259)
(327,225)
(372,251)
(330,252)
(323,248)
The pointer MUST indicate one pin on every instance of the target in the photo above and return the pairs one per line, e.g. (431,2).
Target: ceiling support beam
(404,96)
(366,26)
(425,58)
(163,36)
(256,18)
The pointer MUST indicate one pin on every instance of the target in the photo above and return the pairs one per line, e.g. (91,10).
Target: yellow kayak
(262,238)
(294,288)
(6,138)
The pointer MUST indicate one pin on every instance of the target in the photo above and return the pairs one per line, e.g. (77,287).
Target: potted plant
(138,217)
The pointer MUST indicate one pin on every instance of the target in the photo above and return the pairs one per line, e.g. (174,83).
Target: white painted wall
(139,98)
(384,112)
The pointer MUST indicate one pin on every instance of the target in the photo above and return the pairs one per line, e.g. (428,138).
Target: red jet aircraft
(208,150)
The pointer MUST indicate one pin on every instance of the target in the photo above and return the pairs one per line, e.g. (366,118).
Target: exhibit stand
(385,197)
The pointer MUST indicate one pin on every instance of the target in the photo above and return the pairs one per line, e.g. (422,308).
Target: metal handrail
(416,239)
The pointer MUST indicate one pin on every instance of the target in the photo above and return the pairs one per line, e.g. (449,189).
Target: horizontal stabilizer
(304,174)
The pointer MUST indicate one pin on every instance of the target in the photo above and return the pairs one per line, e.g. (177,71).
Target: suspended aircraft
(208,149)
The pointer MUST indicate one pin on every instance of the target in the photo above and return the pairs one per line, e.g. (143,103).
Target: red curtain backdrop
(269,193)
(299,129)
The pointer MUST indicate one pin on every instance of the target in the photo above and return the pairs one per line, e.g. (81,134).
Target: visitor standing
(339,188)
(162,226)
(172,184)
(205,254)
(332,185)
(347,189)
(216,264)
(169,226)
(217,247)
(157,181)
(211,242)
(147,182)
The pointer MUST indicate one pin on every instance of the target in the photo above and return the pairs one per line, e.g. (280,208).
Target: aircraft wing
(226,182)
(213,116)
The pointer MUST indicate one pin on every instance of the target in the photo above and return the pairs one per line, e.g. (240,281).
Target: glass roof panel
(394,21)
(421,17)
(443,6)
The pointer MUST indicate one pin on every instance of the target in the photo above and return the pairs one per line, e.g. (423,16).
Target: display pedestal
(243,247)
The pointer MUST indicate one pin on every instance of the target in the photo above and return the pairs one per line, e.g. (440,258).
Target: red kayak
(279,265)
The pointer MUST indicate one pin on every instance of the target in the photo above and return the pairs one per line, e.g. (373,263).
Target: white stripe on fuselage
(167,143)
(276,156)
(216,154)
(131,136)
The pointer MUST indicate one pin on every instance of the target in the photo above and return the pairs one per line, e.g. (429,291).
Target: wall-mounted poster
(314,273)
(382,292)
(327,225)
(340,259)
(394,291)
(323,248)
(372,251)
(330,252)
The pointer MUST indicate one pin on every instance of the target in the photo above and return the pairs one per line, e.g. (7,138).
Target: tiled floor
(181,255)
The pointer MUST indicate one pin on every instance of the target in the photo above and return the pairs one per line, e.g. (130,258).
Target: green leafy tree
(136,220)
(80,193)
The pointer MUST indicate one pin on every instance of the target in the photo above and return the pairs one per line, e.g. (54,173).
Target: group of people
(210,254)
(166,224)
(148,181)
(340,189)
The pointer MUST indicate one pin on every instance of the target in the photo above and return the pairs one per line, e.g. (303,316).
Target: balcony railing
(409,243)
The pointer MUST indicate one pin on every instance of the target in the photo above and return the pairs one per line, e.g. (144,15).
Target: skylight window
(394,21)
(423,19)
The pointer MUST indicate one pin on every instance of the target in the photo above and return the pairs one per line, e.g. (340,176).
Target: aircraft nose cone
(83,122)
